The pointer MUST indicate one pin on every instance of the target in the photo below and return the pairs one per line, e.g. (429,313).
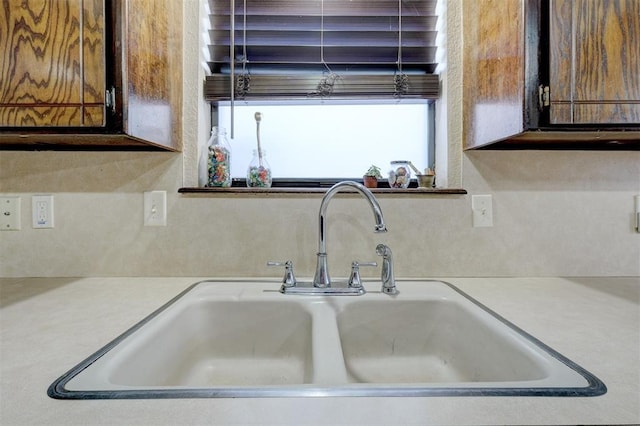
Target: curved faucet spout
(322,278)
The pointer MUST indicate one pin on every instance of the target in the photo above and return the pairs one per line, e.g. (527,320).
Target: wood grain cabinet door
(594,61)
(52,63)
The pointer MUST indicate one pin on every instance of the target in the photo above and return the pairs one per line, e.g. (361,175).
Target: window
(330,141)
(341,85)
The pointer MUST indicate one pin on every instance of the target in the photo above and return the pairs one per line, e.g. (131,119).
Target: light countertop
(48,325)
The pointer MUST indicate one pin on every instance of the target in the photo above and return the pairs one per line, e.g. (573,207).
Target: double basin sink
(245,339)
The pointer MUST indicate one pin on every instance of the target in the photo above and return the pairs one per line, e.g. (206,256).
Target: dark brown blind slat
(282,36)
(330,8)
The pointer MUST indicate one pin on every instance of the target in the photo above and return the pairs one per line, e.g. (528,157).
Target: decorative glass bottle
(259,171)
(400,174)
(219,159)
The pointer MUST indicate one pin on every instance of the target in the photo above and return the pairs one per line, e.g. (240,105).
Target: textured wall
(555,214)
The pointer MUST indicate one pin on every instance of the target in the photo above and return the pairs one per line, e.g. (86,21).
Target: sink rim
(57,389)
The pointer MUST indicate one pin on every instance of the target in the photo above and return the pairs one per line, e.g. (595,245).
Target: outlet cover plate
(10,214)
(42,211)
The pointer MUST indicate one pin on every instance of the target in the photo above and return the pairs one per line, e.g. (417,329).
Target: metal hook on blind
(239,85)
(326,83)
(325,86)
(400,79)
(243,81)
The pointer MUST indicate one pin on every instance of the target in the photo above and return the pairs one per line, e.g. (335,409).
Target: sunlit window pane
(328,141)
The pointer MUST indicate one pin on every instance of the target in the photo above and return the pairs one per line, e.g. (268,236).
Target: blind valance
(321,48)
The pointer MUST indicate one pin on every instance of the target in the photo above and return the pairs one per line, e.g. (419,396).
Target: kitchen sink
(434,341)
(198,345)
(245,339)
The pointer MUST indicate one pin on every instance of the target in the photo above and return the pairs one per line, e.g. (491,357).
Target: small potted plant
(427,179)
(371,177)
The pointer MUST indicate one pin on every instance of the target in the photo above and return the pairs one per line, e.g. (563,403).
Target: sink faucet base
(322,279)
(309,289)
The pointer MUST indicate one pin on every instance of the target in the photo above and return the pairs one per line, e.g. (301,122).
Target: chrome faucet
(321,278)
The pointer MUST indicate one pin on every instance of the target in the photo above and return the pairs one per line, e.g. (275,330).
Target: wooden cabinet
(551,74)
(594,61)
(53,64)
(78,74)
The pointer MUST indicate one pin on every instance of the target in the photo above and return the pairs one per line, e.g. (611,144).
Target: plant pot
(425,181)
(370,181)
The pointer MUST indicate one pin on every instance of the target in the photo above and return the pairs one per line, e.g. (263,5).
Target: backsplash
(555,214)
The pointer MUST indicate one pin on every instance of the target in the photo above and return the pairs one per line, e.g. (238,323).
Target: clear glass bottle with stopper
(218,159)
(259,171)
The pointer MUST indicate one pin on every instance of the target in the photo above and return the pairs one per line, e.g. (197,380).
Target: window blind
(321,48)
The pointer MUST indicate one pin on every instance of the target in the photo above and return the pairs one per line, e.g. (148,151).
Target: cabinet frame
(534,130)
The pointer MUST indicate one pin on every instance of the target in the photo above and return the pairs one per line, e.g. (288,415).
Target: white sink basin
(218,343)
(245,339)
(434,341)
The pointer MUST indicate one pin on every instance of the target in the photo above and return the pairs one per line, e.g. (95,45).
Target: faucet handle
(289,280)
(354,280)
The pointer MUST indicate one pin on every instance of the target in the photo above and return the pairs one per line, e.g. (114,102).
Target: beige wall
(555,213)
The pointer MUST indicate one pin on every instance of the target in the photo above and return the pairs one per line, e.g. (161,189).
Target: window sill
(307,190)
(317,186)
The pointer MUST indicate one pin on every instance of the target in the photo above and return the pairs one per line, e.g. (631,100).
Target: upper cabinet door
(91,74)
(493,62)
(152,86)
(594,64)
(52,63)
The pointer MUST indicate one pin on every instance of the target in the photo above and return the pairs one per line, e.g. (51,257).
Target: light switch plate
(10,214)
(482,207)
(155,208)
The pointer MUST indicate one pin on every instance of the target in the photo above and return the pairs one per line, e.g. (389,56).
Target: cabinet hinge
(110,99)
(543,96)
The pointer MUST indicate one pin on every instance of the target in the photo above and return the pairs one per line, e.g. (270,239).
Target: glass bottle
(218,159)
(400,174)
(259,171)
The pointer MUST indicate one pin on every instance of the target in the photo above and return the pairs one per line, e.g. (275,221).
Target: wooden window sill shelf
(322,190)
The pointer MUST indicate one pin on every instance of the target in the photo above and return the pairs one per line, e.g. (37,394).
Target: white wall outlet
(10,214)
(155,208)
(482,207)
(42,211)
